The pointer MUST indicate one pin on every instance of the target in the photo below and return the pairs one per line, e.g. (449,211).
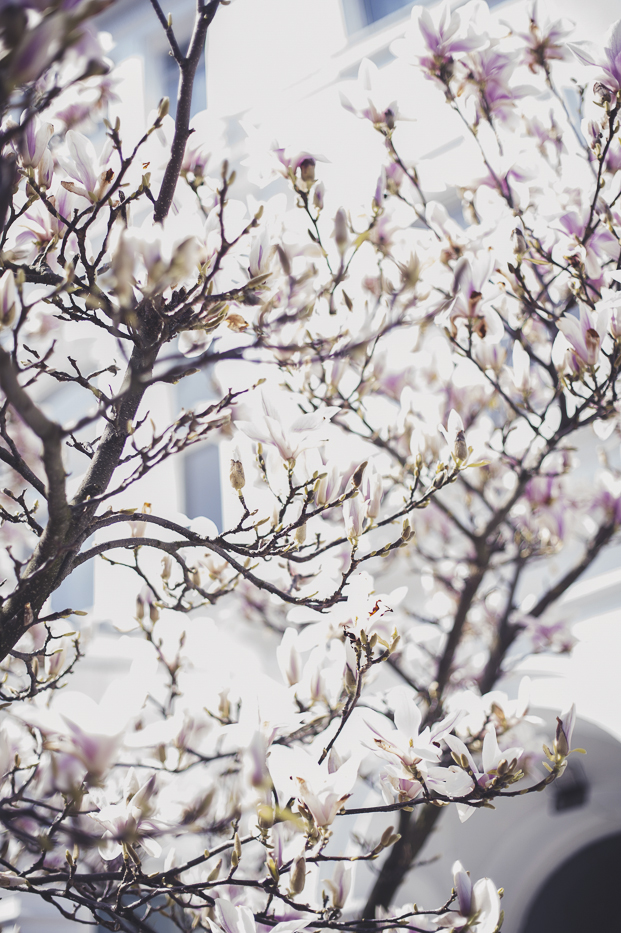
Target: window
(201,475)
(361,13)
(77,590)
(201,464)
(171,84)
(377,9)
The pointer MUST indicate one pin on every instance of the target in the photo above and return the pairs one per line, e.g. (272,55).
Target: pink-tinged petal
(463,887)
(83,154)
(469,44)
(571,329)
(38,49)
(613,39)
(428,30)
(586,53)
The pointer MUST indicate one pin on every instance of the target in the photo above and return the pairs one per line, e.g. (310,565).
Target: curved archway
(576,897)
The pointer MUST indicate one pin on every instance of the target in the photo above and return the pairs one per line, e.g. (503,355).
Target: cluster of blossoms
(406,393)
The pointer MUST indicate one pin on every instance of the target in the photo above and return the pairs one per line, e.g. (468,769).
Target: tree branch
(187,70)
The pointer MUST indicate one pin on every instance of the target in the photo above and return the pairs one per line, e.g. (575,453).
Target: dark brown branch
(53,539)
(170,35)
(187,70)
(602,538)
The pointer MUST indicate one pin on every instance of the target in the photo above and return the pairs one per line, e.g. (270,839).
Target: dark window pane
(376,9)
(201,469)
(171,85)
(77,590)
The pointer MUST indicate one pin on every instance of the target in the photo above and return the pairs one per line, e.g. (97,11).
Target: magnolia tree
(403,394)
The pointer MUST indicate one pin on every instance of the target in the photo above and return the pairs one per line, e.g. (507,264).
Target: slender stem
(187,69)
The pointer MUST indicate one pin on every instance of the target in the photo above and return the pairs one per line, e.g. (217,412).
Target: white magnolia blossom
(347,345)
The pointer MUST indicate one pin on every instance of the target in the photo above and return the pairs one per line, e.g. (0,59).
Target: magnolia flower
(372,488)
(92,174)
(490,356)
(339,885)
(585,335)
(38,48)
(440,36)
(324,793)
(232,919)
(478,904)
(259,259)
(455,436)
(564,731)
(610,305)
(544,40)
(8,296)
(168,260)
(404,742)
(288,657)
(469,307)
(608,59)
(370,101)
(354,512)
(128,822)
(521,368)
(487,81)
(321,792)
(328,486)
(496,764)
(561,747)
(33,142)
(289,436)
(300,167)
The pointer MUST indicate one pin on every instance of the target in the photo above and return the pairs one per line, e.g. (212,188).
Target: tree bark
(415,828)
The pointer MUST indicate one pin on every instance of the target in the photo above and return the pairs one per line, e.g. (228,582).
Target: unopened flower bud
(273,868)
(7,299)
(561,745)
(266,816)
(603,95)
(341,234)
(297,877)
(237,475)
(300,534)
(307,172)
(318,196)
(357,477)
(163,108)
(460,449)
(519,244)
(154,612)
(139,608)
(389,118)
